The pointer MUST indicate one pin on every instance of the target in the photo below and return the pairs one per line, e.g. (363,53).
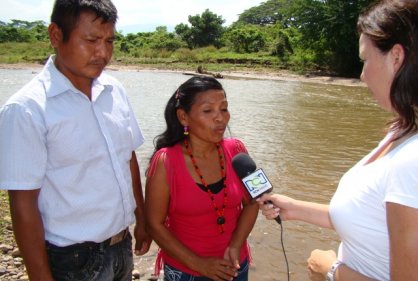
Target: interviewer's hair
(183,98)
(391,22)
(66,13)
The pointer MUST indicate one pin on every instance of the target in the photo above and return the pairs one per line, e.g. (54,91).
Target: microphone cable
(284,251)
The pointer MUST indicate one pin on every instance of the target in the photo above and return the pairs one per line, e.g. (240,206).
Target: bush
(303,60)
(246,38)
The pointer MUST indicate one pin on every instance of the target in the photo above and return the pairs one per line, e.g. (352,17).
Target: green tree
(129,42)
(267,13)
(23,31)
(246,38)
(281,44)
(324,29)
(13,34)
(206,30)
(341,33)
(185,34)
(328,28)
(40,32)
(163,40)
(160,39)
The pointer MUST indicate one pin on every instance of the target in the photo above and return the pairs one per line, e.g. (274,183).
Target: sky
(136,15)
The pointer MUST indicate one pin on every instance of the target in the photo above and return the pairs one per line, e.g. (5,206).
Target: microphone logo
(257,183)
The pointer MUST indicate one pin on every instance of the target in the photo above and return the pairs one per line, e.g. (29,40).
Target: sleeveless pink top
(191,216)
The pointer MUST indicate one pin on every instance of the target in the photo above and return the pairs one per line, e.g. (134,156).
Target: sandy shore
(247,74)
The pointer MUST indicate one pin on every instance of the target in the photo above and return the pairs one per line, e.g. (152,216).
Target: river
(303,135)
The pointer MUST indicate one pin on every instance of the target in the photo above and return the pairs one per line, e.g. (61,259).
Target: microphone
(254,180)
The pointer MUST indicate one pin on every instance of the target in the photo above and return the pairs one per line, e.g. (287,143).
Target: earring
(186,130)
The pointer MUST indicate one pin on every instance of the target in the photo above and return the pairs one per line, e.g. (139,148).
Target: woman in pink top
(197,210)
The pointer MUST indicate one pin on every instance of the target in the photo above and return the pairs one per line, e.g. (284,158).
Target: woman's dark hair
(391,22)
(66,13)
(183,98)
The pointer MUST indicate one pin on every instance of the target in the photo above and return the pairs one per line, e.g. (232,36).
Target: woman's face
(379,70)
(208,116)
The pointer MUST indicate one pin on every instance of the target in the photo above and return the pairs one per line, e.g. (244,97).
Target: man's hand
(142,240)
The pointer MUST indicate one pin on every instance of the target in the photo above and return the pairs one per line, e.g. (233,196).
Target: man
(68,159)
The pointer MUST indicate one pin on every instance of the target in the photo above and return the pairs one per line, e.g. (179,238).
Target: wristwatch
(333,269)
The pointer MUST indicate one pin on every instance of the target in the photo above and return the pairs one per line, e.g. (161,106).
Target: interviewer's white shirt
(358,208)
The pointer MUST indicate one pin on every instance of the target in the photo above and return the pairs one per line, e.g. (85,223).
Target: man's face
(89,49)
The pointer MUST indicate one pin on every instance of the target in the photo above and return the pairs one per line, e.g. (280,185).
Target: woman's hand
(233,254)
(319,263)
(217,269)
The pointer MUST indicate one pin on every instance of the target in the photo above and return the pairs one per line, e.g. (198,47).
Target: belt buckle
(118,237)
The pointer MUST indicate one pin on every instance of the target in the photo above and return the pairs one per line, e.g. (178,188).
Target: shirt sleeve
(137,136)
(22,149)
(403,178)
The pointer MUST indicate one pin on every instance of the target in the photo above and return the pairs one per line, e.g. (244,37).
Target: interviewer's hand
(272,205)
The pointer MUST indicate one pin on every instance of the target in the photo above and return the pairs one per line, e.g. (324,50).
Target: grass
(36,52)
(212,59)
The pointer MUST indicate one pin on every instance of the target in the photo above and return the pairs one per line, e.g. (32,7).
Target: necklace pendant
(220,220)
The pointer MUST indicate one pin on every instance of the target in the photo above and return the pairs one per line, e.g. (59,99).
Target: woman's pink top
(191,215)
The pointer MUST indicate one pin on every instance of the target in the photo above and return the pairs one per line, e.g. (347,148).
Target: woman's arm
(245,224)
(157,200)
(403,238)
(288,208)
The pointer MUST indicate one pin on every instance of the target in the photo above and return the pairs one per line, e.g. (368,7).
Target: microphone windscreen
(243,164)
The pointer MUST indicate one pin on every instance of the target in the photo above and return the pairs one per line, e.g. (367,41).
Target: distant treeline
(304,35)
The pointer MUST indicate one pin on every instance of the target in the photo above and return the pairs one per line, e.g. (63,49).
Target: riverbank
(240,73)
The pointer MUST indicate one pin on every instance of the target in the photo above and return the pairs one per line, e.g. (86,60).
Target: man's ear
(55,35)
(398,56)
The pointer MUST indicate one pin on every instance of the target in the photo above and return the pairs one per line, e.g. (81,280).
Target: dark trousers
(173,274)
(92,261)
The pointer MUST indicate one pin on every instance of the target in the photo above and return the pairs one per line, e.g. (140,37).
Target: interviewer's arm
(403,237)
(291,209)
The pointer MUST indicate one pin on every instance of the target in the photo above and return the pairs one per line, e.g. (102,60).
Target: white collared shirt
(75,150)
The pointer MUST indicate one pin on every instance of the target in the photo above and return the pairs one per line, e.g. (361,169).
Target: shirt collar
(61,84)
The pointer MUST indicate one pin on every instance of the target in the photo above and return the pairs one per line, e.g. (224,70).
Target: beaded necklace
(220,221)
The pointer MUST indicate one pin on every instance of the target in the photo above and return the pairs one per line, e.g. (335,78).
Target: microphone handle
(277,219)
